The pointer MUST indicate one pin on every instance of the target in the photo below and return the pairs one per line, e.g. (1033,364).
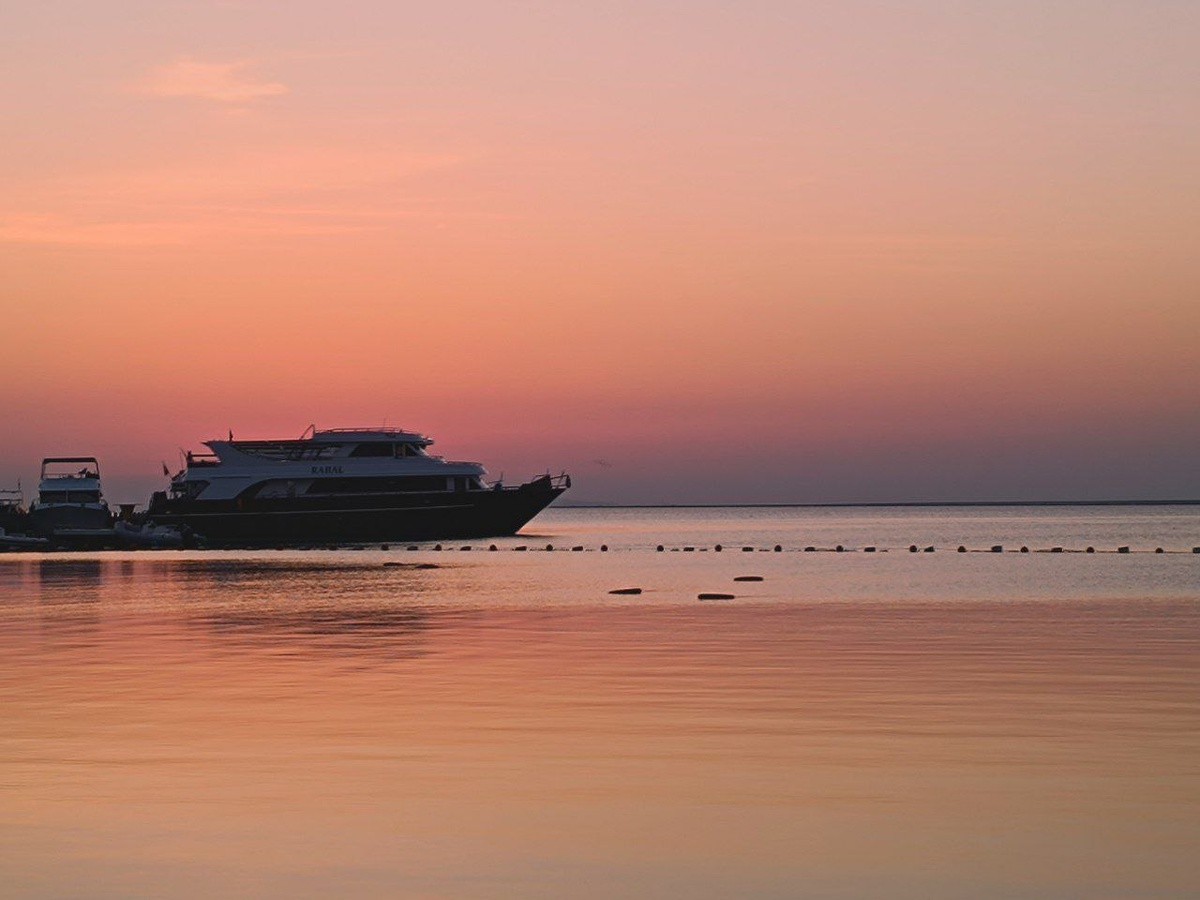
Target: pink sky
(689,252)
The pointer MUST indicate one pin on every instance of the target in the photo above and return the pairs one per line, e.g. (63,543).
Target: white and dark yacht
(70,503)
(342,485)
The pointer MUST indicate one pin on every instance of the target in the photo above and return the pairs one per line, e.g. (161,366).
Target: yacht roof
(333,435)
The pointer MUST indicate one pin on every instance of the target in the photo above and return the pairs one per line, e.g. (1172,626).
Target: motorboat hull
(249,522)
(57,519)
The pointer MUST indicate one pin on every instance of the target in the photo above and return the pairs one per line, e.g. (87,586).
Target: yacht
(13,517)
(12,510)
(350,485)
(69,502)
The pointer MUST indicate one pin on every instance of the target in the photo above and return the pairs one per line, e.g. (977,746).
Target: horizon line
(876,504)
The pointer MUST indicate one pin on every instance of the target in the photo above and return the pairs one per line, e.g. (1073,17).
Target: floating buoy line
(685,548)
(779,548)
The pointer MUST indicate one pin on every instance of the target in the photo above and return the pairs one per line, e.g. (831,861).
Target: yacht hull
(248,522)
(52,520)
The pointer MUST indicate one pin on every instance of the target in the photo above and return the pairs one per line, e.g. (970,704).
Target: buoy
(491,547)
(428,566)
(962,549)
(717,548)
(1090,550)
(747,549)
(689,549)
(928,549)
(778,548)
(839,549)
(412,547)
(1024,549)
(604,548)
(576,549)
(810,549)
(626,591)
(549,546)
(912,548)
(384,547)
(710,596)
(520,549)
(1122,549)
(464,548)
(1196,549)
(1158,549)
(437,546)
(868,549)
(998,548)
(748,578)
(659,548)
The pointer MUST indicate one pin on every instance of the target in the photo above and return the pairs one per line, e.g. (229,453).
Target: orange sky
(687,251)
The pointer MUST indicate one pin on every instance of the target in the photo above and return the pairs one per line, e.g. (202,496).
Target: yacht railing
(561,481)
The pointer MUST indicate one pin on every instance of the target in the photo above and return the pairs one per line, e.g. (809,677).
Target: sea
(897,719)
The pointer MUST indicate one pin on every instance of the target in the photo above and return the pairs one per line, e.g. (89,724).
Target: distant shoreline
(908,504)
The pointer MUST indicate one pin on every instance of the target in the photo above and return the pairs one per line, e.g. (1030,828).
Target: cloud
(221,82)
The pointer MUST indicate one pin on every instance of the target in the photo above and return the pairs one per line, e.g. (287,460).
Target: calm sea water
(888,724)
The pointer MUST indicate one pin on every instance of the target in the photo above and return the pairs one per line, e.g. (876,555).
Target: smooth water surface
(888,724)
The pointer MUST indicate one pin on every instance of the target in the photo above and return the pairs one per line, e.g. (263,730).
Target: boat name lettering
(327,470)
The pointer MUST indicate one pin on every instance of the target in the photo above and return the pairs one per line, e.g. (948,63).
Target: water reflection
(381,633)
(68,577)
(502,727)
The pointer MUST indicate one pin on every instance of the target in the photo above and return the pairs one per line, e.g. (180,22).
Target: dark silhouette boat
(350,485)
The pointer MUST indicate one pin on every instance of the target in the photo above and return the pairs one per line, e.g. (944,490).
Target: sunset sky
(687,251)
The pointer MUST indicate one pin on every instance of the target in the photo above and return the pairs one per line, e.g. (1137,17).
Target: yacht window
(373,448)
(189,489)
(402,484)
(83,496)
(53,496)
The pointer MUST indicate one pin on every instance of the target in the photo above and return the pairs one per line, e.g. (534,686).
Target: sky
(689,252)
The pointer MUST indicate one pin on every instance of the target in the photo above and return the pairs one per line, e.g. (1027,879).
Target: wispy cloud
(222,82)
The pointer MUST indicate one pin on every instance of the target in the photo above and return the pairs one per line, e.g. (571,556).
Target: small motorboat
(149,535)
(20,541)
